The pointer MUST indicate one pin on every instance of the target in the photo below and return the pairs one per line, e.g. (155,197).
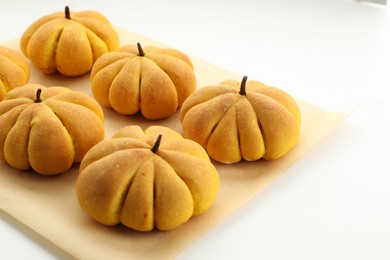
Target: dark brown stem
(243,86)
(156,144)
(140,50)
(67,12)
(38,95)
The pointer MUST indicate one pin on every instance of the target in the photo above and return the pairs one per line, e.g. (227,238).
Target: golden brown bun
(14,70)
(48,136)
(156,83)
(262,123)
(69,46)
(123,181)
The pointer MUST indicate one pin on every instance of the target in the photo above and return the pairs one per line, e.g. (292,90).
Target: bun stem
(38,95)
(156,144)
(243,86)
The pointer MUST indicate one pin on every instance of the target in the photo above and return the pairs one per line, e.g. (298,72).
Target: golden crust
(48,136)
(263,123)
(122,180)
(69,46)
(155,84)
(14,70)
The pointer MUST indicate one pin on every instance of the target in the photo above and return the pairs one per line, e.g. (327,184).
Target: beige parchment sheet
(46,207)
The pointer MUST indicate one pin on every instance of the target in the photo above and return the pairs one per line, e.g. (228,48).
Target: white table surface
(332,204)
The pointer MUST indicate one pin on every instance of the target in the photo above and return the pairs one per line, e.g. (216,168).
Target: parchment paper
(47,206)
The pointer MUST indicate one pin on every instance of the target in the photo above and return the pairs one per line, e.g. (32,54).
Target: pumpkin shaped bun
(151,80)
(14,70)
(146,179)
(48,129)
(68,42)
(246,120)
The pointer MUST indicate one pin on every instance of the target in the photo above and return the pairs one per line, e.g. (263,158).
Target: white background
(332,204)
